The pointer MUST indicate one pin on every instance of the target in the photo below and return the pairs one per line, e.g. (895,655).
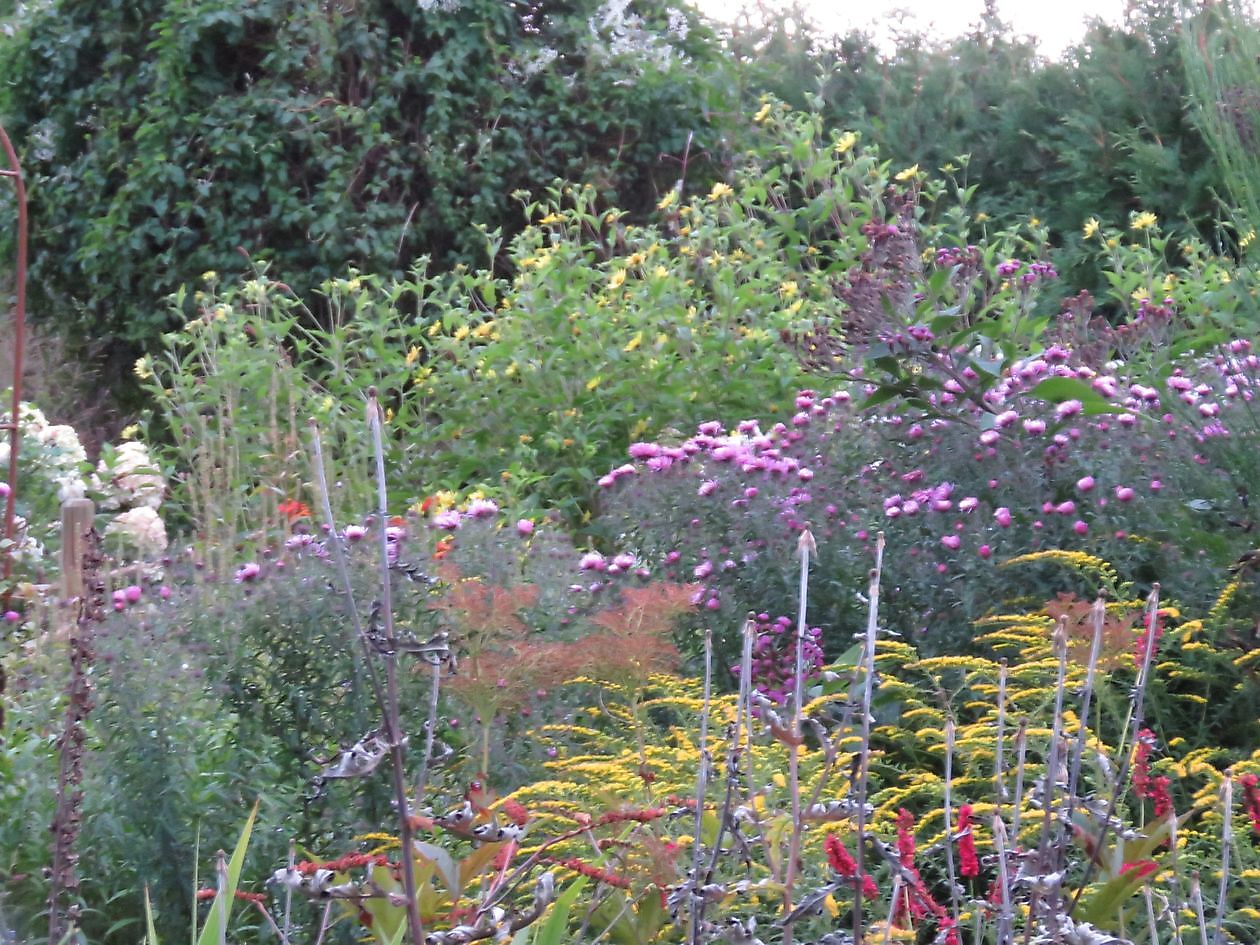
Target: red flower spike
(594,872)
(869,889)
(846,867)
(839,857)
(1251,799)
(1161,796)
(515,811)
(1142,764)
(911,903)
(1142,868)
(969,862)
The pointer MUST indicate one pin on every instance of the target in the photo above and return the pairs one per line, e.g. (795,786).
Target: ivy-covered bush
(161,139)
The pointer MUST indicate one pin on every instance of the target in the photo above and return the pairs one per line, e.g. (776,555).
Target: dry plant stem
(1051,780)
(1176,900)
(734,753)
(221,900)
(1099,614)
(702,789)
(343,569)
(435,688)
(393,724)
(744,717)
(803,547)
(999,775)
(1227,828)
(1134,725)
(1021,754)
(279,933)
(745,714)
(949,821)
(868,695)
(288,893)
(898,888)
(1006,922)
(323,923)
(1152,928)
(1196,899)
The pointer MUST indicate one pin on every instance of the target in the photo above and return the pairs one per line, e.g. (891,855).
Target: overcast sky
(1056,25)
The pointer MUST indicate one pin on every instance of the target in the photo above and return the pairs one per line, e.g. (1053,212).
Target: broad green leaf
(150,933)
(554,930)
(221,912)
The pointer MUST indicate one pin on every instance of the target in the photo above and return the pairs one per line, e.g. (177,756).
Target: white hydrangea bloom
(140,529)
(129,479)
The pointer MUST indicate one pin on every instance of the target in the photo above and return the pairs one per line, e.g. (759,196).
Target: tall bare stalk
(1021,756)
(1227,832)
(1099,616)
(390,709)
(950,871)
(999,761)
(88,610)
(1132,726)
(1005,924)
(803,548)
(868,695)
(1050,784)
(702,789)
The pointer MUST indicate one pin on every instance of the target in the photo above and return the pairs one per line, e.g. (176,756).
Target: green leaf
(150,933)
(210,932)
(554,930)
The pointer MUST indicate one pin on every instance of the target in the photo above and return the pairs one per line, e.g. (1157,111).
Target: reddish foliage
(292,509)
(1117,632)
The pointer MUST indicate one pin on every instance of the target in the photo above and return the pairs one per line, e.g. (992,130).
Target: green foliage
(163,138)
(1101,132)
(1219,48)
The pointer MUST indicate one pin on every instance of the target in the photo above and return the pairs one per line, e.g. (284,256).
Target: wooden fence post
(76,519)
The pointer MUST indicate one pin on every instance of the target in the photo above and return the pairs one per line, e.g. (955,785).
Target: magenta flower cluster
(774,657)
(969,482)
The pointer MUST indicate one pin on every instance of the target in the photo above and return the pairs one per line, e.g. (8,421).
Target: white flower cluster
(623,34)
(126,478)
(54,469)
(127,481)
(51,452)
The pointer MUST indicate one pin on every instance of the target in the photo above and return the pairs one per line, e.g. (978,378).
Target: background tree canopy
(164,138)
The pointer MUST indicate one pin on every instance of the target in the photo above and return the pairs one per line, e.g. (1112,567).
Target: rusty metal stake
(19,354)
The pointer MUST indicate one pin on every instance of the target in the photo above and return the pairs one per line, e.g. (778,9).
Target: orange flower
(292,509)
